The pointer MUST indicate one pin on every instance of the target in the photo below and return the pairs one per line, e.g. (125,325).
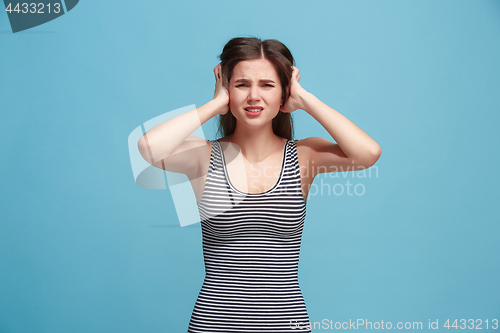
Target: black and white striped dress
(251,244)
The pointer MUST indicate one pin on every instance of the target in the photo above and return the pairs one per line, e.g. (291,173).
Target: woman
(251,185)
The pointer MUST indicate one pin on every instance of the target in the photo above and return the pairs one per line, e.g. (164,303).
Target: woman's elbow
(375,153)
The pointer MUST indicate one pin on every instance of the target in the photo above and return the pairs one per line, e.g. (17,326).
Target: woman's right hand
(221,93)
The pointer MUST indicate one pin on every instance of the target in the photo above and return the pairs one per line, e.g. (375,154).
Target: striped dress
(251,244)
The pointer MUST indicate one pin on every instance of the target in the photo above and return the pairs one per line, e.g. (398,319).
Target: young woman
(251,185)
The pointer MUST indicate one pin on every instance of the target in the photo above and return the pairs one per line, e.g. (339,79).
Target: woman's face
(254,85)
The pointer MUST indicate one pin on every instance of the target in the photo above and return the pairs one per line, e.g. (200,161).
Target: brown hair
(249,48)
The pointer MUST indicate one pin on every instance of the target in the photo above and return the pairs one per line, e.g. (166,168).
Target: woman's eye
(245,85)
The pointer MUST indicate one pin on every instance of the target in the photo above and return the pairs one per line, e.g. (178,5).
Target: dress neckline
(261,193)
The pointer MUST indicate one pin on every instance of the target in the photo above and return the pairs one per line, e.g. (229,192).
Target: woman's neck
(256,144)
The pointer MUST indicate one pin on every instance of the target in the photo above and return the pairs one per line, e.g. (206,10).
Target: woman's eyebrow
(261,80)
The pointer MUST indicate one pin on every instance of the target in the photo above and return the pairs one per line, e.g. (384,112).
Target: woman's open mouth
(254,111)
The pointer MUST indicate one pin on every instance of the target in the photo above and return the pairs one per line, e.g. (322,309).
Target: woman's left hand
(294,102)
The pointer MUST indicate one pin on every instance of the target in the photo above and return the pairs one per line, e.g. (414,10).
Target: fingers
(217,71)
(295,73)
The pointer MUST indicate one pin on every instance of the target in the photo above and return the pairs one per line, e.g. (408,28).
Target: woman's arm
(354,148)
(354,142)
(169,145)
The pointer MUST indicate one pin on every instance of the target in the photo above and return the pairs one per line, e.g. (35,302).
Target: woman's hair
(250,48)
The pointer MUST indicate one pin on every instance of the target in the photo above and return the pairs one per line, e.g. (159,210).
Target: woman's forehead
(256,69)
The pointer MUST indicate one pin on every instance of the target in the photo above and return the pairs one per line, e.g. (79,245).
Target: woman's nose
(254,93)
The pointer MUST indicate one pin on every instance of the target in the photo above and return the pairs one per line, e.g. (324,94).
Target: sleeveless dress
(251,244)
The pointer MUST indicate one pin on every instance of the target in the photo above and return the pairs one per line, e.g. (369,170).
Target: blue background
(84,249)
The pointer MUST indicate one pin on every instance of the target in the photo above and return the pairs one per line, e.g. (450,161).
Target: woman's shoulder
(309,146)
(313,142)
